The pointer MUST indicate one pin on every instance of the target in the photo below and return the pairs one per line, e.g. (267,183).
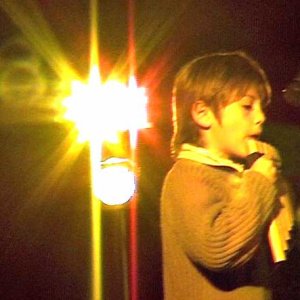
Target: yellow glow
(28,17)
(95,156)
(116,184)
(95,152)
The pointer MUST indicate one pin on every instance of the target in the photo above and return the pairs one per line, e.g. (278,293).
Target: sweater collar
(204,156)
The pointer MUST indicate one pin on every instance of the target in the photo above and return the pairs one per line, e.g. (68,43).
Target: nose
(260,117)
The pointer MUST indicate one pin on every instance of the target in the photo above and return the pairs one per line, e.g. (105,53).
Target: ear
(202,114)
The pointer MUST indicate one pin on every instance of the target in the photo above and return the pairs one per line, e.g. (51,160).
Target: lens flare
(116,184)
(104,109)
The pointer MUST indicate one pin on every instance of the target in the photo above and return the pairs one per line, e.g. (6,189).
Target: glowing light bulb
(115,184)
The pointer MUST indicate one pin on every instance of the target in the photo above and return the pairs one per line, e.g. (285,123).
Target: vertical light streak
(124,253)
(96,247)
(95,158)
(133,248)
(94,41)
(131,39)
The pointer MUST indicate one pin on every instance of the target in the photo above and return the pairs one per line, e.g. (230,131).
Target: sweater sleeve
(218,218)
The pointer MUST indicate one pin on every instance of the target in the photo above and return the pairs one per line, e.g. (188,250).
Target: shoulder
(184,168)
(186,174)
(187,167)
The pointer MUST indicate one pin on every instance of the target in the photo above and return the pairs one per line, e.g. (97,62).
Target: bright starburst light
(101,110)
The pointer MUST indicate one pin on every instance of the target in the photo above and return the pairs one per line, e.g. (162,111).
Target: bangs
(260,84)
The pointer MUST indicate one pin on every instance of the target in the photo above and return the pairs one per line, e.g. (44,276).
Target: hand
(266,167)
(265,149)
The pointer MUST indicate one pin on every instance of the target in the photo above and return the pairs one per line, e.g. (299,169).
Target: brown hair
(216,79)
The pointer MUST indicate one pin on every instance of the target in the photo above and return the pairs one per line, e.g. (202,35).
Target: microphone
(279,233)
(258,149)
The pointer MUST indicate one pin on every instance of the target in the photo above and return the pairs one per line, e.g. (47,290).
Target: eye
(247,107)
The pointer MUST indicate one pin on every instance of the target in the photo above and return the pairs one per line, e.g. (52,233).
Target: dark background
(45,215)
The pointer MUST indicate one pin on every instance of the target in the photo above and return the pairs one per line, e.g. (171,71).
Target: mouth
(254,136)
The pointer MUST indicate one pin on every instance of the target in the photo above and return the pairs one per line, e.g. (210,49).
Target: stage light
(102,109)
(116,182)
(100,113)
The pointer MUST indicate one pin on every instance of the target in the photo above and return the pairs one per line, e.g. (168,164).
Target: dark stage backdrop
(44,215)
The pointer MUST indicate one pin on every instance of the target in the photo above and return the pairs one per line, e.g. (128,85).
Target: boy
(215,213)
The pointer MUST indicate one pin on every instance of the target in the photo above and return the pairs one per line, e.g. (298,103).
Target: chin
(239,156)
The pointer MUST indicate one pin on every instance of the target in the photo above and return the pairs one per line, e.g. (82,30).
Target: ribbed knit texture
(214,222)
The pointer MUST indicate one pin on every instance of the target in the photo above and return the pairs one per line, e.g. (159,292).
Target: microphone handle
(251,158)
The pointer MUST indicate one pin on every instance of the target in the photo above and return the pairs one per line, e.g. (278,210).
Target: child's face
(240,121)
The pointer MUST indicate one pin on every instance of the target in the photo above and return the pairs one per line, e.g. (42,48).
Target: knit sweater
(214,223)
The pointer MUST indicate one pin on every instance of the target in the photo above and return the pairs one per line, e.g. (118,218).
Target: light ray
(57,165)
(96,246)
(153,27)
(44,46)
(131,39)
(28,17)
(95,158)
(133,233)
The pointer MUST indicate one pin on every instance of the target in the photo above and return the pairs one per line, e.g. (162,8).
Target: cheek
(235,135)
(240,123)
